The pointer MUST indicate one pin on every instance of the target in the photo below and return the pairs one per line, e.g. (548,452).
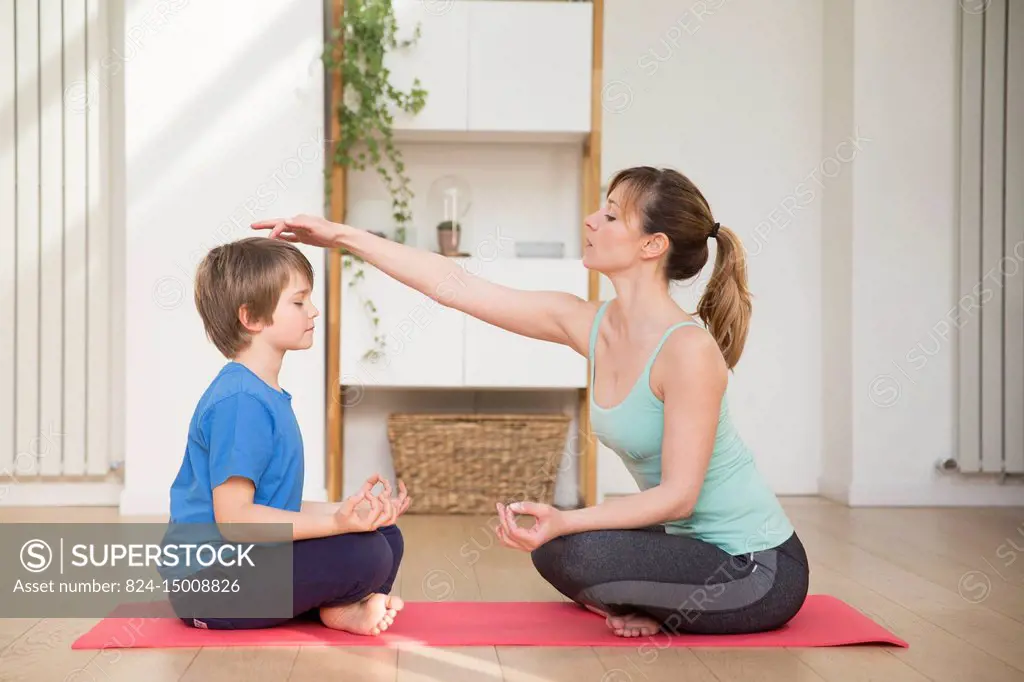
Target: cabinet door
(438,59)
(424,340)
(498,358)
(529,66)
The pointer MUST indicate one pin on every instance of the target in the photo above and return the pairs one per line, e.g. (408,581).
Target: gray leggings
(687,585)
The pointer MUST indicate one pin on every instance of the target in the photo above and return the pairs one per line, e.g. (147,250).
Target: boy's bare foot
(371,615)
(633,625)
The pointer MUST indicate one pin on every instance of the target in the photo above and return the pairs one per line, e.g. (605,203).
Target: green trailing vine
(356,49)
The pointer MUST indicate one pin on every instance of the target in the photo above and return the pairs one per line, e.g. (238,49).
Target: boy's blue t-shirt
(241,427)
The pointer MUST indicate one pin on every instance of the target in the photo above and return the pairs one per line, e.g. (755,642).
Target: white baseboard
(953,490)
(60,494)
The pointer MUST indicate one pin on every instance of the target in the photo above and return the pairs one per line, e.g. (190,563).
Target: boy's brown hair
(251,272)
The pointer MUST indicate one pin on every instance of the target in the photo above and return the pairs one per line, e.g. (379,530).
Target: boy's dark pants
(328,571)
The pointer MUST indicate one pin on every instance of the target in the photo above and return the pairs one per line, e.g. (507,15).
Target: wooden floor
(949,581)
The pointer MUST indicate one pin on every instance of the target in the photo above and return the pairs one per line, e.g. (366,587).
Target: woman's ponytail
(725,306)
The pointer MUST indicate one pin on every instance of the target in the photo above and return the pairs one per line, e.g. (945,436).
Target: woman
(705,547)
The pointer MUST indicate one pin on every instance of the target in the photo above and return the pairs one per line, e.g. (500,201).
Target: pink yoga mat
(823,621)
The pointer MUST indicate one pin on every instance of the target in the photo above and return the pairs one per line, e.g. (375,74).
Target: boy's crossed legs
(376,611)
(343,581)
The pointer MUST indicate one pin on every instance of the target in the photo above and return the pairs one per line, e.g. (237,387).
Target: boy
(243,461)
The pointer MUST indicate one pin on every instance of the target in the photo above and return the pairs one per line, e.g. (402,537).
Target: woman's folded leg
(680,583)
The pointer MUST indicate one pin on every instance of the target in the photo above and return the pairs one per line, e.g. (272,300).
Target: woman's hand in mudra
(548,524)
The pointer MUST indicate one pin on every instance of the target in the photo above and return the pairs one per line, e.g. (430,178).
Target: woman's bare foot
(371,615)
(633,625)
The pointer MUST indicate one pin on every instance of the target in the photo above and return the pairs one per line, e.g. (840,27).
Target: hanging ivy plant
(356,49)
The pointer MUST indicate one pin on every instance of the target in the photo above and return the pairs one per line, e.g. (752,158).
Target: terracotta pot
(448,240)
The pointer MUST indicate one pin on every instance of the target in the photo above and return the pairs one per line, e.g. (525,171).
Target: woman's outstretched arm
(553,316)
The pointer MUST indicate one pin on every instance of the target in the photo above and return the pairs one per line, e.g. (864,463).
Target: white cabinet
(495,66)
(495,358)
(529,66)
(438,60)
(424,340)
(429,345)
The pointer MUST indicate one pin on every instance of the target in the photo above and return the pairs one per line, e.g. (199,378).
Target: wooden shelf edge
(335,464)
(591,201)
(411,135)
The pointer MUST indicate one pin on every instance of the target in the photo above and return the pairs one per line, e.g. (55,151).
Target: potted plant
(448,235)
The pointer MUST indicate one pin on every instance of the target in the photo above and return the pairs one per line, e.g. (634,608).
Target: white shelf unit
(430,345)
(509,97)
(496,66)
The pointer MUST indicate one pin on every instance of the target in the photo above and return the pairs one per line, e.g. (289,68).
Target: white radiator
(55,241)
(991,306)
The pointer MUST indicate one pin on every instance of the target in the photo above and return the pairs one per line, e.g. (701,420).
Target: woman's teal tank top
(736,510)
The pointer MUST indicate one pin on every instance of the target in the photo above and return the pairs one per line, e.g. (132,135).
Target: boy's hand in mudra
(364,511)
(548,524)
(403,500)
(401,503)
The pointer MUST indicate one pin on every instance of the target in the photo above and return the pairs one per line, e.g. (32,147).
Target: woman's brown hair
(670,204)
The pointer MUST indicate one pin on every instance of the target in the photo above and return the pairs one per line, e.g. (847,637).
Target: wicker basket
(465,463)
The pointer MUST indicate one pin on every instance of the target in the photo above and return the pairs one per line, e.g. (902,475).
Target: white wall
(730,93)
(837,258)
(826,135)
(223,125)
(904,257)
